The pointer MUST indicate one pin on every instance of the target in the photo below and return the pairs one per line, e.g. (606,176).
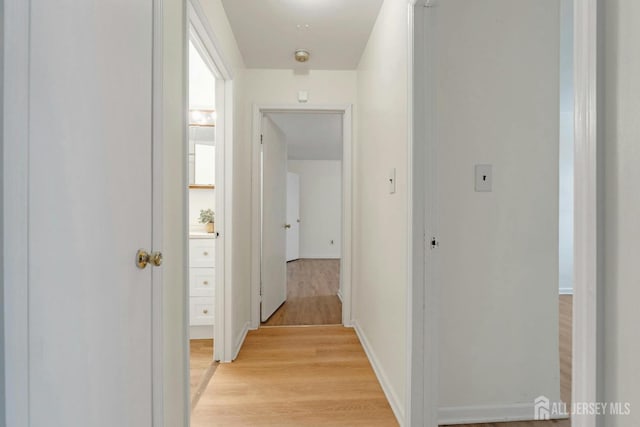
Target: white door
(274,217)
(293,216)
(89,212)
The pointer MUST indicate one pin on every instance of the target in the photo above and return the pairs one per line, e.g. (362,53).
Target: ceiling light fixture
(301,55)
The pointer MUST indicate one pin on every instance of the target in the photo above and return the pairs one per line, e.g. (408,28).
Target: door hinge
(261,138)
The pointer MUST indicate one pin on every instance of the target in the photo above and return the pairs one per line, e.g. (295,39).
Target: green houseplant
(207,217)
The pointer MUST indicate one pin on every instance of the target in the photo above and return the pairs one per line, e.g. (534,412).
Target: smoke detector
(301,55)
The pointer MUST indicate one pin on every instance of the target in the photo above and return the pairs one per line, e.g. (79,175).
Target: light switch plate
(484,178)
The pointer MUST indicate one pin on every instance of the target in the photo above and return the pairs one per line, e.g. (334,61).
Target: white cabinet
(201,281)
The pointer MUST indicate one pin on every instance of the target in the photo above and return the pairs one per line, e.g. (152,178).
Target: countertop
(199,234)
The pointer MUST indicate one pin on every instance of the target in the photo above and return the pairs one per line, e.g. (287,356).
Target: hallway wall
(320,207)
(497,102)
(380,270)
(622,205)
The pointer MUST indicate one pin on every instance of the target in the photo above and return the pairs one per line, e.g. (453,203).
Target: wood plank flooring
(312,288)
(566,324)
(296,376)
(320,376)
(201,367)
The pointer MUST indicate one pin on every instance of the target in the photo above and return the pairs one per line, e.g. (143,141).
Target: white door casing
(256,202)
(274,216)
(88,198)
(293,216)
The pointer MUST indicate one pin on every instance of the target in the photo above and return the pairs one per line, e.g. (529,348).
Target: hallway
(312,294)
(295,376)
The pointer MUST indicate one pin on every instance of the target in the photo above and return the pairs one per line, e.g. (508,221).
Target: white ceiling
(268,34)
(311,136)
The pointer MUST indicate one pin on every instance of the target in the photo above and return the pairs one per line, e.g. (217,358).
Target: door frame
(422,376)
(347,179)
(207,43)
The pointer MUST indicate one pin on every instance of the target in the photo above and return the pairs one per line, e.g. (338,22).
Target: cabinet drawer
(202,282)
(202,252)
(201,310)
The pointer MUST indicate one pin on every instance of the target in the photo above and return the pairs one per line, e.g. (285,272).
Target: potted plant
(207,218)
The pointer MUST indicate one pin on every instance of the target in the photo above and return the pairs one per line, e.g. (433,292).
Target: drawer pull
(206,282)
(205,253)
(205,311)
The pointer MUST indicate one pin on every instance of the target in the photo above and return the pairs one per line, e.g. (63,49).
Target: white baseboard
(487,414)
(397,409)
(201,332)
(566,291)
(237,345)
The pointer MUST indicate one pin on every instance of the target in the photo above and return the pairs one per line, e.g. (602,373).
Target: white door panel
(293,216)
(90,211)
(274,216)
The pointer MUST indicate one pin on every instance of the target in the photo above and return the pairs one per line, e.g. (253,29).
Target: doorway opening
(301,165)
(311,284)
(207,204)
(202,208)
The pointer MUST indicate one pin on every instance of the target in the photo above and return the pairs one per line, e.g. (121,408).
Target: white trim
(339,294)
(198,18)
(566,291)
(489,414)
(157,218)
(200,332)
(239,341)
(207,43)
(423,386)
(586,258)
(392,398)
(347,205)
(16,214)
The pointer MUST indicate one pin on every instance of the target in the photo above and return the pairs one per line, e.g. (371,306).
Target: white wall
(320,207)
(565,241)
(497,102)
(241,147)
(380,219)
(622,207)
(174,250)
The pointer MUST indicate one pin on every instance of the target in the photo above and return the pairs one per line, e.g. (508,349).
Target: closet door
(90,211)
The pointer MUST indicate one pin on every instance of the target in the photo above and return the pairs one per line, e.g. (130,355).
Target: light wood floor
(320,376)
(201,367)
(566,307)
(312,289)
(296,376)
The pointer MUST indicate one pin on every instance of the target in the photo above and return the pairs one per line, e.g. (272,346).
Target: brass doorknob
(287,226)
(156,259)
(143,258)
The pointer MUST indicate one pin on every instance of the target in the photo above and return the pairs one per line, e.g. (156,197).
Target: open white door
(274,216)
(90,210)
(293,216)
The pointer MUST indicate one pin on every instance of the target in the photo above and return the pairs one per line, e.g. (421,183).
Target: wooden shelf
(201,187)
